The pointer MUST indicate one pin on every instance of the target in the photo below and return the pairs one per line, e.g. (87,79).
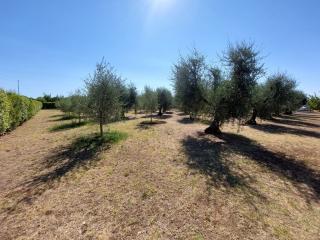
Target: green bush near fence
(16,109)
(5,107)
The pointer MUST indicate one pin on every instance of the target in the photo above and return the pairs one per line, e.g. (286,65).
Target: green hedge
(16,109)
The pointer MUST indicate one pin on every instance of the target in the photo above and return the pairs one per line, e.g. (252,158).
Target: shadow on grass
(67,126)
(277,129)
(83,153)
(186,120)
(156,116)
(63,118)
(56,115)
(294,122)
(147,124)
(211,158)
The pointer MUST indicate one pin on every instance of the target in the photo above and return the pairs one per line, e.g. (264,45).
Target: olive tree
(189,83)
(232,97)
(132,100)
(164,100)
(279,89)
(149,101)
(104,93)
(65,105)
(79,104)
(260,104)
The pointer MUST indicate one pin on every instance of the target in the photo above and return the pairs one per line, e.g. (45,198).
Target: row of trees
(228,92)
(232,92)
(107,98)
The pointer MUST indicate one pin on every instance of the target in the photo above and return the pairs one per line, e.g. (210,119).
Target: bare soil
(165,181)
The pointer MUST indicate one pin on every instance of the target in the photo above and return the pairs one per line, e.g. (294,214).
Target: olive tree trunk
(214,128)
(252,120)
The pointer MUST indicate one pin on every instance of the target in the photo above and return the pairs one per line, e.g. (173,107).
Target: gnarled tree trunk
(214,128)
(252,120)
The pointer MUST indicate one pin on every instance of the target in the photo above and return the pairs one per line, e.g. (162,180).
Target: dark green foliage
(104,91)
(296,100)
(279,90)
(245,69)
(48,98)
(232,98)
(277,95)
(165,100)
(48,105)
(314,102)
(149,101)
(129,98)
(132,98)
(189,83)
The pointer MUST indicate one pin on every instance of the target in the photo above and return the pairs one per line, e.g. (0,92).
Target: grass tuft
(67,126)
(94,140)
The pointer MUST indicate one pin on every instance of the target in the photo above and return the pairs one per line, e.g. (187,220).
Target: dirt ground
(165,181)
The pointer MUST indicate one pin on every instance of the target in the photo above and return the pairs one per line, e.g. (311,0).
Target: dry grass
(165,181)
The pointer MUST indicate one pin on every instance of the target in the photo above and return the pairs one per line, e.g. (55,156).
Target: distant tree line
(48,102)
(15,109)
(232,92)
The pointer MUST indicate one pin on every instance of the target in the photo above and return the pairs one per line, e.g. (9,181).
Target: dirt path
(164,182)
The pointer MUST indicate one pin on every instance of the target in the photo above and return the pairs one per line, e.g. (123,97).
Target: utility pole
(19,87)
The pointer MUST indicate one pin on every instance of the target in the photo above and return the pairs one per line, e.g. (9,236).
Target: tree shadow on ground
(164,116)
(129,118)
(302,116)
(294,122)
(56,115)
(186,120)
(63,118)
(67,126)
(144,125)
(156,116)
(277,129)
(81,153)
(211,158)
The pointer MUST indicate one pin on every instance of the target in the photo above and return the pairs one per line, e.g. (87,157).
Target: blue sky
(52,46)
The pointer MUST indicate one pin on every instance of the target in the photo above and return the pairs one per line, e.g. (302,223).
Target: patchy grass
(166,181)
(67,126)
(95,141)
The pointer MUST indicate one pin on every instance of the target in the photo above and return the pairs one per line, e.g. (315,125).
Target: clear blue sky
(51,46)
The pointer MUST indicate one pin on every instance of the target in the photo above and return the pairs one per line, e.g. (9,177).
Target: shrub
(16,109)
(4,112)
